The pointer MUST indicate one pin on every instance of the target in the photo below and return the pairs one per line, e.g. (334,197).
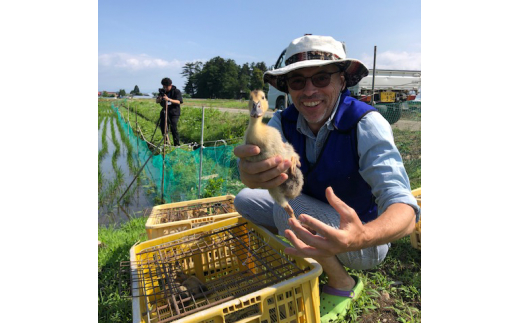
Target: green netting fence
(219,174)
(393,112)
(219,165)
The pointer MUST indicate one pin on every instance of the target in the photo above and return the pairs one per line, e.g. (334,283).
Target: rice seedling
(100,179)
(104,144)
(117,146)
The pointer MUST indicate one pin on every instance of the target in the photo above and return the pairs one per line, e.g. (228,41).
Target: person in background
(356,196)
(170,96)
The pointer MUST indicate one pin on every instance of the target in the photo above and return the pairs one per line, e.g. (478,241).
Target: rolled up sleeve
(381,165)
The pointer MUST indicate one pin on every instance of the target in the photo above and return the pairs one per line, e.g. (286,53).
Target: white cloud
(393,60)
(136,62)
(124,71)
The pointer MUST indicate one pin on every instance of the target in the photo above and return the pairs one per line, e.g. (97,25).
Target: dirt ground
(407,125)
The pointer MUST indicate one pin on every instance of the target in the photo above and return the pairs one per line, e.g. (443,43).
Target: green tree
(136,91)
(122,92)
(230,88)
(263,68)
(244,81)
(223,78)
(257,79)
(210,82)
(190,71)
(105,94)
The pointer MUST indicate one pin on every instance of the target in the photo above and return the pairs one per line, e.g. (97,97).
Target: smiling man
(356,196)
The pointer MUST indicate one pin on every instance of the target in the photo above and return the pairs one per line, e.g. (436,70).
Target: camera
(162,92)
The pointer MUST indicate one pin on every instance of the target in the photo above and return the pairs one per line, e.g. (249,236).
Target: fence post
(201,147)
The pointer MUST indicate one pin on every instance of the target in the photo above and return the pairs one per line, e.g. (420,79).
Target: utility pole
(373,77)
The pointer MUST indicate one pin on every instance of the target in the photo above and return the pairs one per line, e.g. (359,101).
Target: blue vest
(338,163)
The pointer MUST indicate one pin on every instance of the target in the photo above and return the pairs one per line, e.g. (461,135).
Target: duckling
(191,283)
(270,142)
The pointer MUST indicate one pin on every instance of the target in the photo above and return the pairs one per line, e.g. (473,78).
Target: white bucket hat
(311,51)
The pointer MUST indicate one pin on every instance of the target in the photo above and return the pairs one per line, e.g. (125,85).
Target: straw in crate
(236,272)
(415,237)
(177,217)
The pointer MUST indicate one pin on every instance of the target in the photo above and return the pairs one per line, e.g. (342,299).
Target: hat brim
(354,71)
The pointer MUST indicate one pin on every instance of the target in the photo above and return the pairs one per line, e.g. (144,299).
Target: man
(356,197)
(173,99)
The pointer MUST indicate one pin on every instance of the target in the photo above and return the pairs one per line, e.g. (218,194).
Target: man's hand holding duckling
(264,174)
(350,235)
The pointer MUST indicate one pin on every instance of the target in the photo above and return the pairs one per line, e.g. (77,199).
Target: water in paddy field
(136,202)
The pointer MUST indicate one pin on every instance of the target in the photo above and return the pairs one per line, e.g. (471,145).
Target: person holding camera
(170,99)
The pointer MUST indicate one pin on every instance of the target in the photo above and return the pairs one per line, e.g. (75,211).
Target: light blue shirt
(380,163)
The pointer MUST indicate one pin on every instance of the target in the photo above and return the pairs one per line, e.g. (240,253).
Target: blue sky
(140,42)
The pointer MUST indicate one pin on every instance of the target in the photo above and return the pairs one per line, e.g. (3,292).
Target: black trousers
(172,124)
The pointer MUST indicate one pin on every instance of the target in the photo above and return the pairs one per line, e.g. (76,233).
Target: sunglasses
(321,79)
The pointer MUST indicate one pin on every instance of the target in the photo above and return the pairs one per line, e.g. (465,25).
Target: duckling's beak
(256,110)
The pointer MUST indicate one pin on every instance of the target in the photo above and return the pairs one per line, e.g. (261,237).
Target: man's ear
(343,83)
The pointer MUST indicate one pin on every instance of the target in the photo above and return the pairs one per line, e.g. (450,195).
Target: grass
(392,289)
(409,145)
(220,103)
(116,247)
(218,125)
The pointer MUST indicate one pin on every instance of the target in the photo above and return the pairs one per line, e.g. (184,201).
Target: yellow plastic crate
(415,237)
(247,276)
(181,216)
(417,194)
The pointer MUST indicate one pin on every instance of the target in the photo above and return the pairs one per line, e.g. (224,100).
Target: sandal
(335,303)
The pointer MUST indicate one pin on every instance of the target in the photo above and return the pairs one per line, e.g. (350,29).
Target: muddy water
(139,204)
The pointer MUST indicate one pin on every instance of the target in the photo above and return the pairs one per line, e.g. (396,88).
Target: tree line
(221,78)
(122,93)
(218,78)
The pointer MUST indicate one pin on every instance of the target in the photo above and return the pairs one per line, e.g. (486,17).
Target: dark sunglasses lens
(321,80)
(296,83)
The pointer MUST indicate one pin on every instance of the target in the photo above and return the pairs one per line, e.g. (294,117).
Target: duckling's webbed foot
(289,211)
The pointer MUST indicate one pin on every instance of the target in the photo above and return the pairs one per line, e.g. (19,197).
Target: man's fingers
(272,167)
(246,151)
(270,178)
(300,249)
(320,242)
(323,229)
(277,181)
(335,201)
(347,213)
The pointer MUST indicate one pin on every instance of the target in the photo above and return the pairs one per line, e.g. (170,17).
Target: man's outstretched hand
(349,236)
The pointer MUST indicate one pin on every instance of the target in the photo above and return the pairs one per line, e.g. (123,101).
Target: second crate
(171,218)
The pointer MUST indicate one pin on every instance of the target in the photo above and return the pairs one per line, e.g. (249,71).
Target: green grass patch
(116,248)
(218,103)
(409,145)
(217,125)
(392,289)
